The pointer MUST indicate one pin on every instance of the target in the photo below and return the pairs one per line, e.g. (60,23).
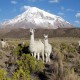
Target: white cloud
(24,8)
(78,22)
(64,9)
(34,0)
(31,0)
(53,1)
(69,10)
(60,13)
(77,15)
(14,2)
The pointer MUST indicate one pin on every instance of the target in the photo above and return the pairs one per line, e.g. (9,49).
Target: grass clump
(25,64)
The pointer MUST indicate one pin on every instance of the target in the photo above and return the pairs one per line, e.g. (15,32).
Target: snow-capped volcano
(36,18)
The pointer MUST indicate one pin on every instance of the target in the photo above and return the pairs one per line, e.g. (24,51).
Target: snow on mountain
(36,18)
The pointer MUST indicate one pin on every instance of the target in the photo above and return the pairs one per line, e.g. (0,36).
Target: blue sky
(67,9)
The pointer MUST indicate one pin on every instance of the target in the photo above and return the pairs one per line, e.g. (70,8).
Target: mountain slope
(36,18)
(24,33)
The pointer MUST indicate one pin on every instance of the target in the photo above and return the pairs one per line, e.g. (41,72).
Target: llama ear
(32,29)
(47,35)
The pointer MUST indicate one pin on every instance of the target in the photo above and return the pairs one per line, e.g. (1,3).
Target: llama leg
(32,53)
(46,57)
(35,54)
(49,58)
(38,57)
(43,57)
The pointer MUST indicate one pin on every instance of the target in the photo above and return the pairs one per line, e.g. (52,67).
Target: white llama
(36,47)
(4,44)
(79,43)
(47,48)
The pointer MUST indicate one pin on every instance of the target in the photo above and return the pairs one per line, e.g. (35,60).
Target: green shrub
(21,74)
(3,74)
(17,50)
(39,66)
(28,62)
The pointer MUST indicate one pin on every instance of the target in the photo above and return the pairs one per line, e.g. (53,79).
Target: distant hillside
(24,33)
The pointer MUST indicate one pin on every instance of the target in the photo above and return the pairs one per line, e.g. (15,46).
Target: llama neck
(46,42)
(32,39)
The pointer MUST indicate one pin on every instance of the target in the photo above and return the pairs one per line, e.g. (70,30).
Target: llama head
(32,31)
(45,36)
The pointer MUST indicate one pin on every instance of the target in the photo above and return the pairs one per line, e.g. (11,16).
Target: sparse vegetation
(18,64)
